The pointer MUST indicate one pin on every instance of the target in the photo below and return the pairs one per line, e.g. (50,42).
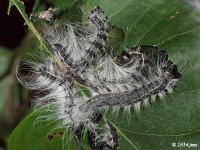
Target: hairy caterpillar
(132,79)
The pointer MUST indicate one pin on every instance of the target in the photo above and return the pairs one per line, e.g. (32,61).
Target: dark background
(12,32)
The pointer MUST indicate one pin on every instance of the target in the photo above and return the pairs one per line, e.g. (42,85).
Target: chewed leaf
(38,136)
(133,79)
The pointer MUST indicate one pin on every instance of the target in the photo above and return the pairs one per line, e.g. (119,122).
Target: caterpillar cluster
(133,79)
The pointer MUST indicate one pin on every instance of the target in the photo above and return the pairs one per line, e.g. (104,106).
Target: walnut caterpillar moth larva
(132,79)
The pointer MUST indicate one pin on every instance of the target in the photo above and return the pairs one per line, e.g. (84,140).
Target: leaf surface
(33,135)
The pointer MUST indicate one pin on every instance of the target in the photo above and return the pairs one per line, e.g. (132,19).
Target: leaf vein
(145,33)
(174,36)
(164,135)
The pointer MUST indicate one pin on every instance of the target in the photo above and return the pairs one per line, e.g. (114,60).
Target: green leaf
(169,25)
(5,60)
(116,38)
(84,90)
(4,86)
(30,135)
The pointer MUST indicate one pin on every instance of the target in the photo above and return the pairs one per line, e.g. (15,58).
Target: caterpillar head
(171,70)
